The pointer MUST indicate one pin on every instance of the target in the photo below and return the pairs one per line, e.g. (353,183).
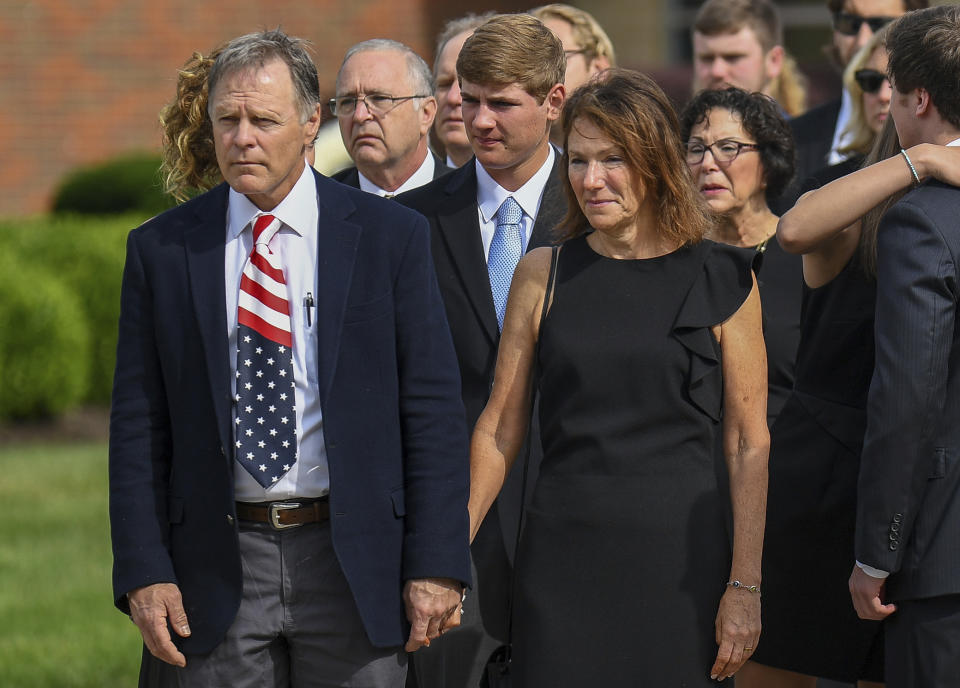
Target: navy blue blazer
(393,420)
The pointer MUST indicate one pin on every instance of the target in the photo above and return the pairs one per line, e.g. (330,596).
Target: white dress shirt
(423,175)
(490,196)
(296,243)
(840,137)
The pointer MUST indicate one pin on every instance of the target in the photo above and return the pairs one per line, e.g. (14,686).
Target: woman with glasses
(740,152)
(646,357)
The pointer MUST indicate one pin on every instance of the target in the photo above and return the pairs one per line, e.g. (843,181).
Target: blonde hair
(859,131)
(513,48)
(789,88)
(588,33)
(188,157)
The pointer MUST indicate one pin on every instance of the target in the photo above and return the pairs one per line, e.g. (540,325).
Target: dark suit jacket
(813,135)
(351,176)
(393,421)
(908,515)
(450,205)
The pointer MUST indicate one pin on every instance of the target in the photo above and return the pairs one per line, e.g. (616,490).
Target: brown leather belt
(283,515)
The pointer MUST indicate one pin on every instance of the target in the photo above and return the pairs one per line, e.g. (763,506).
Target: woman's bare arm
(824,225)
(500,431)
(746,445)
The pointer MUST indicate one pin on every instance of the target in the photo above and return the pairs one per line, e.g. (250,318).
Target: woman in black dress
(741,152)
(810,627)
(625,573)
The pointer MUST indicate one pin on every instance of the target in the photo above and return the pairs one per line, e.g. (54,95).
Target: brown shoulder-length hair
(631,109)
(886,146)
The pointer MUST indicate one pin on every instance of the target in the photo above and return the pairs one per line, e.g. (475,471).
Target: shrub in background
(45,342)
(122,185)
(86,254)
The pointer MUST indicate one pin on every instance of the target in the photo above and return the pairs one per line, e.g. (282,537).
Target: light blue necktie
(505,251)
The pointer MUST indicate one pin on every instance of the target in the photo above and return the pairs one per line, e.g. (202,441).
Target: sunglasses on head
(849,24)
(869,80)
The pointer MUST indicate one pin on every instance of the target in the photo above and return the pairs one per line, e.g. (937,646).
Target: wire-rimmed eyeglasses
(723,151)
(377,104)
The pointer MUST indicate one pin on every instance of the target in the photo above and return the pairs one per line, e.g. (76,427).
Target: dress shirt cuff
(872,572)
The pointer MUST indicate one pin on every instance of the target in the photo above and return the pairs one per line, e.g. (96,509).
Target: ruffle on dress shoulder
(722,284)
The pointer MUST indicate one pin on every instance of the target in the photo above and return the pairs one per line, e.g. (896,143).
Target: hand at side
(151,608)
(432,605)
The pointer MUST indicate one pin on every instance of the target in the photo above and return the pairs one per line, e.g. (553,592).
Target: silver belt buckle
(275,510)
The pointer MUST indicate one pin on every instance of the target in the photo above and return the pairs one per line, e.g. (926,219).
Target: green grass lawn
(58,625)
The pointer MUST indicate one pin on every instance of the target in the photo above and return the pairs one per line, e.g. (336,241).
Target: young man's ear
(773,62)
(554,101)
(920,99)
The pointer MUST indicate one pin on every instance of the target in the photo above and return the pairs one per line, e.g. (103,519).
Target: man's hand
(867,594)
(151,607)
(432,605)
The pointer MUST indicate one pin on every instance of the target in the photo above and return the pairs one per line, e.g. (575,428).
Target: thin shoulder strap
(548,293)
(547,298)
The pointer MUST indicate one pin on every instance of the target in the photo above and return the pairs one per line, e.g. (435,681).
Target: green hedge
(45,346)
(77,263)
(122,185)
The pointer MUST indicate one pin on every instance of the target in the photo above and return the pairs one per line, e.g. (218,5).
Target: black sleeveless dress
(809,624)
(625,553)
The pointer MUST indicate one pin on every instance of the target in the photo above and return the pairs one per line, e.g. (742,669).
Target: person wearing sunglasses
(865,79)
(819,133)
(385,107)
(739,150)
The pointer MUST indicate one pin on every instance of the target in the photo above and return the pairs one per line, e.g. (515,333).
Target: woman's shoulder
(726,260)
(722,282)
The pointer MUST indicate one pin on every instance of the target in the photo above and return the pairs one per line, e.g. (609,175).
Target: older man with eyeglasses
(385,107)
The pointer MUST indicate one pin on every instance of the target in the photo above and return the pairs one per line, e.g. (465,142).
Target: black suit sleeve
(915,314)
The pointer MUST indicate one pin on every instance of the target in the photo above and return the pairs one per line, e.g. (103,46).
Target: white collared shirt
(490,196)
(296,243)
(841,139)
(423,175)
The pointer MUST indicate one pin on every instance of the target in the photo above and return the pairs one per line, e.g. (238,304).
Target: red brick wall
(83,80)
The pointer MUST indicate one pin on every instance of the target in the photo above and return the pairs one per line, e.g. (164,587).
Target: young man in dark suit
(288,459)
(908,517)
(483,216)
(385,107)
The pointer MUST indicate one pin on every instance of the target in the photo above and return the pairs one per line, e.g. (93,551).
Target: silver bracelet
(916,177)
(740,586)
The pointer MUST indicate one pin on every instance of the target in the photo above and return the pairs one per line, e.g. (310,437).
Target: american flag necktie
(266,423)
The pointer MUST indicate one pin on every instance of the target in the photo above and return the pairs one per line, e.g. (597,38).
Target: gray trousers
(297,627)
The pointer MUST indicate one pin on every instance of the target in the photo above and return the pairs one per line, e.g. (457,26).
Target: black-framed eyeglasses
(377,104)
(723,151)
(849,24)
(869,80)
